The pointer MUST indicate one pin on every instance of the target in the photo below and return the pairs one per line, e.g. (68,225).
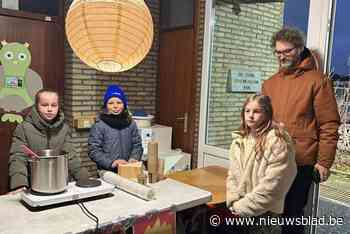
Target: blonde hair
(264,103)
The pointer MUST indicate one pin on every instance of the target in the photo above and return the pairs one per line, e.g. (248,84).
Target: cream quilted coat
(256,185)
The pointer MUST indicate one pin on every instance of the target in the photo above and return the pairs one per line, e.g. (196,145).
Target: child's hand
(233,212)
(117,162)
(132,160)
(19,190)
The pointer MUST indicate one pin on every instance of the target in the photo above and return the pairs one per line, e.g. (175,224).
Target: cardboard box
(158,133)
(163,135)
(146,136)
(130,170)
(175,161)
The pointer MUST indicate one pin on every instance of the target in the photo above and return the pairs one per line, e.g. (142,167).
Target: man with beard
(304,103)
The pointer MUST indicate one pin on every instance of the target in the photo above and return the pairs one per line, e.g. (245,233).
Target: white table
(15,218)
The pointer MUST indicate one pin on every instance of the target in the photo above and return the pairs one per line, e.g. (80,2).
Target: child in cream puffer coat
(262,164)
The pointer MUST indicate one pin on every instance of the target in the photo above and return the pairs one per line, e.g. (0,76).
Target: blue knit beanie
(115,91)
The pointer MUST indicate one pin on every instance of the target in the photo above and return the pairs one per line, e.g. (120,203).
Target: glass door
(238,57)
(334,199)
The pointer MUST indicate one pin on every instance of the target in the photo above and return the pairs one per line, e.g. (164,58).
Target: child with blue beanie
(114,139)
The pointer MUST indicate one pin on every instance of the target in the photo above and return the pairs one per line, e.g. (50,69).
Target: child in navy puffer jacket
(114,138)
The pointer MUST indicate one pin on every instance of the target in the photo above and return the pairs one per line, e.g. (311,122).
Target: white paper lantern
(110,35)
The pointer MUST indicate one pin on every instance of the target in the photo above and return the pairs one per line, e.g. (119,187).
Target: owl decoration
(18,83)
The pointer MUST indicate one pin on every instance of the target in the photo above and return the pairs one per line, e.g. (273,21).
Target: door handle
(185,119)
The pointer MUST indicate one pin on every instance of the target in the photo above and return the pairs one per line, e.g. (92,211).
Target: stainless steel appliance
(49,173)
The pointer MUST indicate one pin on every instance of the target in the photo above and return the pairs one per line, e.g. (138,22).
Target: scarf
(119,122)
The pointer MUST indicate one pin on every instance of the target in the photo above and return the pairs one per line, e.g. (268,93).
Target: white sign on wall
(243,80)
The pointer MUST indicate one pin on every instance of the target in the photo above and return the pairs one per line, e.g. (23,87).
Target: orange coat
(303,100)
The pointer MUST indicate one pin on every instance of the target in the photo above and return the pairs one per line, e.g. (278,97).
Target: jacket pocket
(306,143)
(298,132)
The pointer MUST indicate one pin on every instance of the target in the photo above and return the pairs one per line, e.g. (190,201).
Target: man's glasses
(284,52)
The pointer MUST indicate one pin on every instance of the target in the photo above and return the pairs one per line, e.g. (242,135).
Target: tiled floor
(337,187)
(335,202)
(338,212)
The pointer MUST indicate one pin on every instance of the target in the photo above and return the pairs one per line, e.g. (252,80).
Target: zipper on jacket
(48,138)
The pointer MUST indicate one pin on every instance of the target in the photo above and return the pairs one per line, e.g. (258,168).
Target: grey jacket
(38,134)
(107,144)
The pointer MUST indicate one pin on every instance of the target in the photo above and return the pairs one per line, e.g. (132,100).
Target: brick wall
(84,86)
(199,49)
(242,34)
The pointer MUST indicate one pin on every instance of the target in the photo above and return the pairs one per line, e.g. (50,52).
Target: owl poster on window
(18,83)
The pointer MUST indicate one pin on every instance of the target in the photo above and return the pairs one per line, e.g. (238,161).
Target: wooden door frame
(192,113)
(193,97)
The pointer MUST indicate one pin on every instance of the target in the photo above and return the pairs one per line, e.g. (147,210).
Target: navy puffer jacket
(107,144)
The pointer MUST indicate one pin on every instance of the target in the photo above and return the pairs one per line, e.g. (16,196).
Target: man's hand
(117,162)
(132,160)
(324,172)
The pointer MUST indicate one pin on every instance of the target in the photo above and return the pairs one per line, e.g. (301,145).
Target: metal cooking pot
(49,174)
